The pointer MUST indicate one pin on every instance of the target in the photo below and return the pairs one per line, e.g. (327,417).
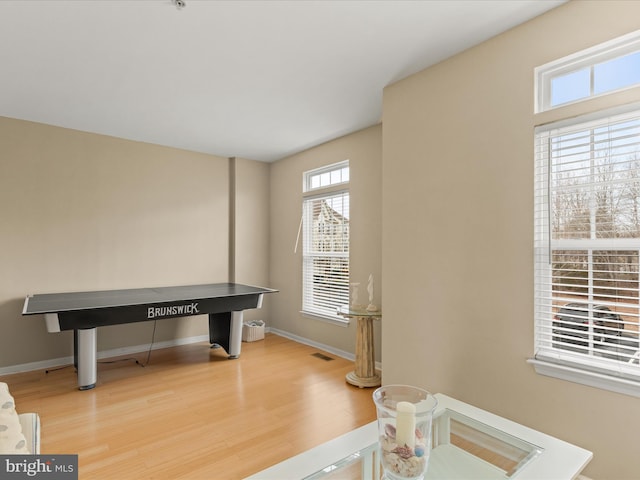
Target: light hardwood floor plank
(193,414)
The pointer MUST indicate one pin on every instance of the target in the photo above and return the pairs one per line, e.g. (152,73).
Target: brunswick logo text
(185,309)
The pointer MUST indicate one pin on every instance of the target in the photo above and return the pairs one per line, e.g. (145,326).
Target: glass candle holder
(405,416)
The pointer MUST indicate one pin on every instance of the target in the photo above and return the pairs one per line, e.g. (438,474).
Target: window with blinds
(325,271)
(587,244)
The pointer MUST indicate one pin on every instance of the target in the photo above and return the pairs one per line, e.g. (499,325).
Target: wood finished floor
(193,414)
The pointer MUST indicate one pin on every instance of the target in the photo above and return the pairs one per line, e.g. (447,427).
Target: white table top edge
(558,460)
(321,456)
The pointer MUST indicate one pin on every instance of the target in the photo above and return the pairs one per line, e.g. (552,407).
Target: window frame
(548,358)
(311,193)
(588,58)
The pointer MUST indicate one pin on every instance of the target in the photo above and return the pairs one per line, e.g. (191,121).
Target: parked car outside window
(608,338)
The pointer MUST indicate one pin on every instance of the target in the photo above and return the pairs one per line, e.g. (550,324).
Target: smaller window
(607,68)
(327,177)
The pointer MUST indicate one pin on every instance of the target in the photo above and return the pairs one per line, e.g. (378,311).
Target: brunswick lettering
(173,310)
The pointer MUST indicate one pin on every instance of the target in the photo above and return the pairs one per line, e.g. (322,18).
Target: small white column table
(365,373)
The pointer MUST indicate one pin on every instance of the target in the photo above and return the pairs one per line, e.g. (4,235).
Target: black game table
(82,312)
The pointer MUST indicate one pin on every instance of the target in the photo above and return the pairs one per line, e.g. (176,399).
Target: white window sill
(341,322)
(585,377)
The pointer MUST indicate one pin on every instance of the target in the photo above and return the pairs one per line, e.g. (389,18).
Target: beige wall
(458,260)
(363,150)
(251,255)
(83,212)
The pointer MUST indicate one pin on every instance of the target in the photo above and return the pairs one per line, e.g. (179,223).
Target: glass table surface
(462,448)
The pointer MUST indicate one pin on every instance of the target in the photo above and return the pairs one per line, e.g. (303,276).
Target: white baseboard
(321,346)
(116,352)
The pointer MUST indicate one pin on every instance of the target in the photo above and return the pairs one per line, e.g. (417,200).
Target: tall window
(587,221)
(325,273)
(587,224)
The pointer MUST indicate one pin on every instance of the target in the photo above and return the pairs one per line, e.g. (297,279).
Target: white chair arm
(30,423)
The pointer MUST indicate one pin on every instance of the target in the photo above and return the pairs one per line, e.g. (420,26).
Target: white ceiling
(253,79)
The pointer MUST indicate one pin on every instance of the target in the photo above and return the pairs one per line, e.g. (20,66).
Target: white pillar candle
(406,424)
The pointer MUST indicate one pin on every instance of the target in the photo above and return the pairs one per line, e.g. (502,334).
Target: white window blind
(326,241)
(587,244)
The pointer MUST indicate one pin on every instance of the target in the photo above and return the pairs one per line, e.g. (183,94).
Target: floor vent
(321,356)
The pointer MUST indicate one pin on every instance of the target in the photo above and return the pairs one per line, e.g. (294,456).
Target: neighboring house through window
(587,227)
(325,271)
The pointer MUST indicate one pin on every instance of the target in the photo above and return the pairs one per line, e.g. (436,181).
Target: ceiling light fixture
(179,4)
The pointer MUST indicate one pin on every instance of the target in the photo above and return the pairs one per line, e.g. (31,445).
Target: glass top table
(467,443)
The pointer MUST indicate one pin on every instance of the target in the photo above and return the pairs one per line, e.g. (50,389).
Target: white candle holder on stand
(405,416)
